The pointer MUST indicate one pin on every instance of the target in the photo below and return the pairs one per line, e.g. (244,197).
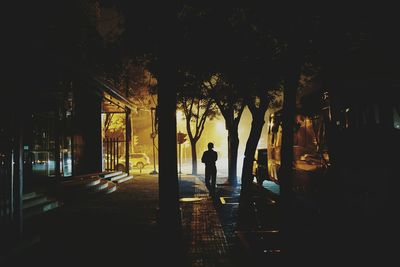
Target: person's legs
(213,179)
(207,179)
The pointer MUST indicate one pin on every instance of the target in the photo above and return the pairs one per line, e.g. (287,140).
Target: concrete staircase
(35,203)
(35,209)
(116,177)
(85,186)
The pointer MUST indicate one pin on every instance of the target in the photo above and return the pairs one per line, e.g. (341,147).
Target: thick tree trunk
(169,215)
(194,156)
(246,212)
(286,167)
(285,174)
(251,146)
(233,145)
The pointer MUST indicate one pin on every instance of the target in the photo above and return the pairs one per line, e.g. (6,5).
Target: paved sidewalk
(117,229)
(203,233)
(120,229)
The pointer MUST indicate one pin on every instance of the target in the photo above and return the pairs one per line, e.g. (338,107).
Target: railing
(114,150)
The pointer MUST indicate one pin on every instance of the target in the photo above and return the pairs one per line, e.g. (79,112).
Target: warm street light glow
(179,115)
(190,199)
(220,126)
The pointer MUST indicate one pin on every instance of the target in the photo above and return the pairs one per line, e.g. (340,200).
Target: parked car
(138,160)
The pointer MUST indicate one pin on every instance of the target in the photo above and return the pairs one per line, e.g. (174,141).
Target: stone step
(29,200)
(25,197)
(109,174)
(40,208)
(29,195)
(106,187)
(39,199)
(102,185)
(81,183)
(124,179)
(111,188)
(117,177)
(78,188)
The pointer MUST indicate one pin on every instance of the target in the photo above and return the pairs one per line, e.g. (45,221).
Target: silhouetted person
(209,158)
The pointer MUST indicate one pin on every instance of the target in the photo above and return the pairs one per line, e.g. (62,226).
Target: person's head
(210,146)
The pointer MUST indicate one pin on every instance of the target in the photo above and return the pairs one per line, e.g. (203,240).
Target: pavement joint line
(256,231)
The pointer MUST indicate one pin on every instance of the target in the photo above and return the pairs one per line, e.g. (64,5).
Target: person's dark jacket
(209,157)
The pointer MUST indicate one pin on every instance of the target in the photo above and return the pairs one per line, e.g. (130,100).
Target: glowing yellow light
(220,126)
(189,199)
(179,115)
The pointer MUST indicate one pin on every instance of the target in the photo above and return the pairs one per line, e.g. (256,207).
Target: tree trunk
(169,214)
(289,108)
(251,146)
(233,145)
(168,177)
(285,174)
(194,156)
